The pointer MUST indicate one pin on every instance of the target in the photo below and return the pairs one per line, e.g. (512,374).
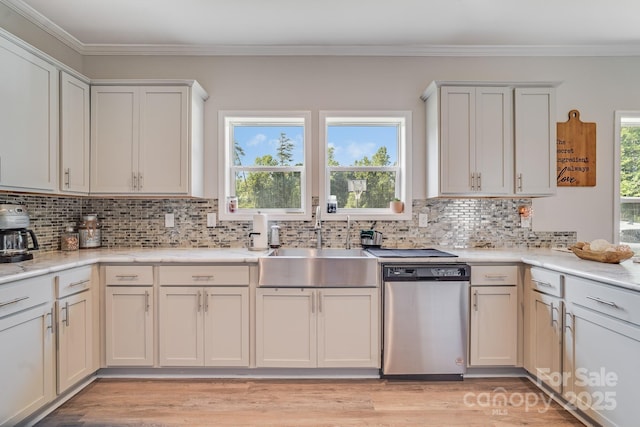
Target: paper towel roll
(260,241)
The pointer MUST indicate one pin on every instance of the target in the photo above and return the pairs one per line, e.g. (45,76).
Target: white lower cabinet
(317,327)
(494,321)
(601,348)
(493,334)
(75,339)
(204,326)
(546,339)
(27,347)
(76,324)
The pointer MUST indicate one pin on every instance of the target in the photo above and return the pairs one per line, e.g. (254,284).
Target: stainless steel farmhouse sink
(305,267)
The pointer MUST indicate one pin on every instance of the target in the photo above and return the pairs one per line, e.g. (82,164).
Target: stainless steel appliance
(14,235)
(426,309)
(370,238)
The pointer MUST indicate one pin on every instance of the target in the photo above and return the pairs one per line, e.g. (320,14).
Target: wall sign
(576,145)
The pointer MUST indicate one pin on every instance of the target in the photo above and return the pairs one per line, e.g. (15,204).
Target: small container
(232,204)
(89,232)
(69,240)
(275,236)
(332,204)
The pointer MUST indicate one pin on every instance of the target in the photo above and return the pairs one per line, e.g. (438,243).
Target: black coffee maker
(14,235)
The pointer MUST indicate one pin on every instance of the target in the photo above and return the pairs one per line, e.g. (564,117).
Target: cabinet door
(348,328)
(457,139)
(226,326)
(114,138)
(163,165)
(27,368)
(494,321)
(74,134)
(494,141)
(181,326)
(546,339)
(285,328)
(28,120)
(602,372)
(129,326)
(535,141)
(75,339)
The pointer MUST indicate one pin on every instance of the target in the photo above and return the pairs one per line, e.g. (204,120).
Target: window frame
(403,170)
(617,208)
(227,169)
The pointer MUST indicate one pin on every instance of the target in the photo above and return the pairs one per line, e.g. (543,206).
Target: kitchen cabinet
(204,325)
(28,121)
(147,139)
(129,316)
(543,348)
(601,347)
(493,336)
(74,134)
(477,143)
(76,319)
(27,347)
(535,141)
(310,328)
(490,139)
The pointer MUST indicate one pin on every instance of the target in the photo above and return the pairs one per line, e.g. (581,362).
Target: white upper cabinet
(535,137)
(74,134)
(147,139)
(477,135)
(28,121)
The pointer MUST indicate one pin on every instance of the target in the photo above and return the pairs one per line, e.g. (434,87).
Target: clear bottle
(332,204)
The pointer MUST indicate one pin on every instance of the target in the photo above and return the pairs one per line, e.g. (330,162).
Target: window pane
(362,145)
(370,190)
(268,190)
(268,145)
(630,182)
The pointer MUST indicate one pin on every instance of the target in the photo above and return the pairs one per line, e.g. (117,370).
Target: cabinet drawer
(546,281)
(616,302)
(205,275)
(488,275)
(69,282)
(129,275)
(23,294)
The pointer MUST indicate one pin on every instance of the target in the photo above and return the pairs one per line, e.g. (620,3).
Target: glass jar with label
(89,231)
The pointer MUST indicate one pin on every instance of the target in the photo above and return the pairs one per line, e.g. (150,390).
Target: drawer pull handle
(601,301)
(13,301)
(495,276)
(82,282)
(202,277)
(544,284)
(127,276)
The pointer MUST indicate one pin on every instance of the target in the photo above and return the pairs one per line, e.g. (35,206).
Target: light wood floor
(472,402)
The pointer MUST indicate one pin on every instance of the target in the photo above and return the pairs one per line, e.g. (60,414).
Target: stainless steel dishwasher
(426,310)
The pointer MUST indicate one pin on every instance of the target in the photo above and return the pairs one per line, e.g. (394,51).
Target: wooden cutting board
(576,152)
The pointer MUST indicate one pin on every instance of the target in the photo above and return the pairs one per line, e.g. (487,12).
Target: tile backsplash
(128,222)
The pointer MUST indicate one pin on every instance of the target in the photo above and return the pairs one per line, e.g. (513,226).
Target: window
(628,185)
(265,163)
(365,159)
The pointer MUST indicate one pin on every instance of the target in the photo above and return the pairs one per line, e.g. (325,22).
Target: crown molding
(315,50)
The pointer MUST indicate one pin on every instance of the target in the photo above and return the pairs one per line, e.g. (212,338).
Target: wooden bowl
(604,256)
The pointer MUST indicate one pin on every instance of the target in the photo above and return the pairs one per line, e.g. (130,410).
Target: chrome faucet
(318,228)
(348,232)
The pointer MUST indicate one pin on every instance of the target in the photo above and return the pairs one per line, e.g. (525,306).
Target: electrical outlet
(169,220)
(211,219)
(423,220)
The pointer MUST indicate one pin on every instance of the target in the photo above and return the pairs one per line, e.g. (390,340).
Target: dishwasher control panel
(426,272)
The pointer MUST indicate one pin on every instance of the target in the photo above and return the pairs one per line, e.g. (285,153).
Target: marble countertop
(625,274)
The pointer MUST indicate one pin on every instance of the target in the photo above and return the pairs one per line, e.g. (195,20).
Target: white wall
(596,86)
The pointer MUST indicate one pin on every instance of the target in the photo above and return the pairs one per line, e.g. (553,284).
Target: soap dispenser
(275,237)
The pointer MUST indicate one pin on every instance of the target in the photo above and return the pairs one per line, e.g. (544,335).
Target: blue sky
(350,142)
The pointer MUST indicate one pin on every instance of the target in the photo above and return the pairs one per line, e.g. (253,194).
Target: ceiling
(365,27)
